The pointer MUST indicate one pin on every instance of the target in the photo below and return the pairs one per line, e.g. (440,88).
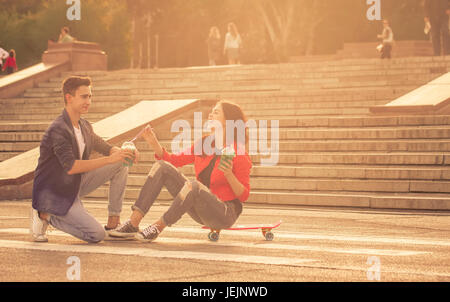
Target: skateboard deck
(265,228)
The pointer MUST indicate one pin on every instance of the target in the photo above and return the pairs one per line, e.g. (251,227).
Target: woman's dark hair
(234,113)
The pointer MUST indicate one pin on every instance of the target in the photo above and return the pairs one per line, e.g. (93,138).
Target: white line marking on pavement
(268,245)
(146,251)
(301,236)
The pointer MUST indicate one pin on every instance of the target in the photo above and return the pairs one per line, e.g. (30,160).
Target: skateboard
(265,228)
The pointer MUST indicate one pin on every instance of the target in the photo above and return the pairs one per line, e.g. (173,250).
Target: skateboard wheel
(269,236)
(213,236)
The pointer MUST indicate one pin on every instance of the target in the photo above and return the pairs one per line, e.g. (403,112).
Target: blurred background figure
(233,44)
(64,36)
(436,18)
(214,45)
(387,40)
(3,55)
(10,64)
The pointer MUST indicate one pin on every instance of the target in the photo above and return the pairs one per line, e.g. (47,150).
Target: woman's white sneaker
(148,234)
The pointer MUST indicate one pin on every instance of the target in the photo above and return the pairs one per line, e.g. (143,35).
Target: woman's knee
(160,166)
(192,189)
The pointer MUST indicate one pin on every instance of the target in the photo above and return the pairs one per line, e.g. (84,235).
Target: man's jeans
(78,222)
(190,197)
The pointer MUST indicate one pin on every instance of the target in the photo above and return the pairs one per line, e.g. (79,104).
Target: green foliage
(27,25)
(317,27)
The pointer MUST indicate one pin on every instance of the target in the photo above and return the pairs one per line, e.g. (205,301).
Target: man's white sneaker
(38,227)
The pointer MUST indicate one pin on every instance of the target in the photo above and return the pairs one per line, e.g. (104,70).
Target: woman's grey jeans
(190,196)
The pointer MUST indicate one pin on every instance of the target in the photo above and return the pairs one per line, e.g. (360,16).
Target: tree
(278,18)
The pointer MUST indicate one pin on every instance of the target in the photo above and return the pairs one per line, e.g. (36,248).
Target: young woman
(214,199)
(10,64)
(233,44)
(214,48)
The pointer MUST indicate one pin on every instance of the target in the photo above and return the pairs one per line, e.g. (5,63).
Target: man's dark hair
(71,84)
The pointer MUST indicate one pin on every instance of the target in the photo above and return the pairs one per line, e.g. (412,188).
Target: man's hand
(119,155)
(135,157)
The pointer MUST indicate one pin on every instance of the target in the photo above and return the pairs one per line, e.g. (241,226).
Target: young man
(65,173)
(436,15)
(64,36)
(388,39)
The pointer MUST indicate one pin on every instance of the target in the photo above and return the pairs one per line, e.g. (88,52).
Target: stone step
(18,146)
(116,106)
(345,158)
(336,184)
(373,133)
(308,95)
(8,155)
(321,198)
(325,94)
(329,171)
(23,127)
(287,72)
(425,134)
(278,70)
(95,108)
(354,146)
(44,118)
(258,114)
(304,79)
(112,92)
(424,145)
(58,100)
(303,122)
(354,199)
(215,86)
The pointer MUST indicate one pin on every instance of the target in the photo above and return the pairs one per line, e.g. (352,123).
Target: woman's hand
(150,136)
(226,167)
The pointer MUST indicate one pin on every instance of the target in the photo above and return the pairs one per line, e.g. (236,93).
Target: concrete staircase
(333,152)
(400,49)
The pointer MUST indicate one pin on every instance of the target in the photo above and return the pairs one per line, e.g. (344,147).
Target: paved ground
(312,244)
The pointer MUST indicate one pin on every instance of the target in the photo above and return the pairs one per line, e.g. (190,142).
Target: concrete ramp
(16,172)
(431,98)
(14,84)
